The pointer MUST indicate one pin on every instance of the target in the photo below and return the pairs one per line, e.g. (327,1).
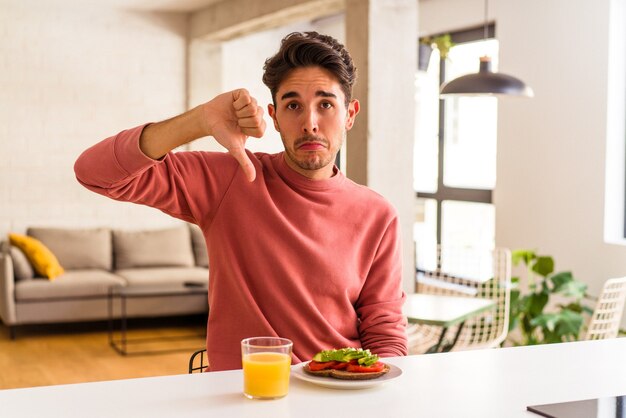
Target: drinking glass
(266,365)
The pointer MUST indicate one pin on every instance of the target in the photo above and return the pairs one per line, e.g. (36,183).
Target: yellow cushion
(42,259)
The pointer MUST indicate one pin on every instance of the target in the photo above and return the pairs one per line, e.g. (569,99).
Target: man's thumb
(244,161)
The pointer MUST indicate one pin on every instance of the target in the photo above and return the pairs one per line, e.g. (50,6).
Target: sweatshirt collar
(298,180)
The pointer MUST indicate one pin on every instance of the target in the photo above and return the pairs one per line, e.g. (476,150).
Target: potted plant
(426,44)
(425,49)
(562,322)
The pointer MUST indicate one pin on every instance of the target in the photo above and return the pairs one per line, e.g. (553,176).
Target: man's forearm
(159,138)
(229,118)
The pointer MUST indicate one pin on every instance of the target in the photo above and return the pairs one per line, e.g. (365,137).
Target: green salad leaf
(363,357)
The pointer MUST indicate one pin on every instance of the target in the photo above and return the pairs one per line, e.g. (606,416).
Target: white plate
(330,382)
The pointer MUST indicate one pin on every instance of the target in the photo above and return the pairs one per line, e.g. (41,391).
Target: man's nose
(309,123)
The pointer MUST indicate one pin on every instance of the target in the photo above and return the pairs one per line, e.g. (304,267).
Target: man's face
(312,119)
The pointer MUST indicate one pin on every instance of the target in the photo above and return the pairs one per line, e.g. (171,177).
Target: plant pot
(424,52)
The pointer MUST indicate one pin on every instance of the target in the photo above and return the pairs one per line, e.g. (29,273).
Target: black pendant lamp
(485,82)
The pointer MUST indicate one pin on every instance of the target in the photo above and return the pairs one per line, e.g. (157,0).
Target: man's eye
(326,105)
(292,106)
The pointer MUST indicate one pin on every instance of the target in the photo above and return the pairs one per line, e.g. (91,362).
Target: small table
(443,311)
(145,291)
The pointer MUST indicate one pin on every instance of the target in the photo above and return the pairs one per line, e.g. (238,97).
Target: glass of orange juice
(266,365)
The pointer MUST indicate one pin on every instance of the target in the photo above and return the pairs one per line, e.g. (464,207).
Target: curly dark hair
(306,49)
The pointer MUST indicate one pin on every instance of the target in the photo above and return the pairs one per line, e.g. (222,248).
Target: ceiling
(163,5)
(182,6)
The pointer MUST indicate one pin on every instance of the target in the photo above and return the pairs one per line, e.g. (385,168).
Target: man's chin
(312,164)
(309,161)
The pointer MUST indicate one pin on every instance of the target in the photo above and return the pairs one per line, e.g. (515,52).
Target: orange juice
(266,375)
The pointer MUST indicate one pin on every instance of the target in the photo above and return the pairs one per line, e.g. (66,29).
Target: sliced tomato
(336,365)
(376,367)
(340,365)
(317,365)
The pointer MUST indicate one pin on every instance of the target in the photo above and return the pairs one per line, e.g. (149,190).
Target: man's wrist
(201,121)
(159,138)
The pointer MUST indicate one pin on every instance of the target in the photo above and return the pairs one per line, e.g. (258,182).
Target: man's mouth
(311,144)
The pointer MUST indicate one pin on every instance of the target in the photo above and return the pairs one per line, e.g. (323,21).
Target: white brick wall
(68,78)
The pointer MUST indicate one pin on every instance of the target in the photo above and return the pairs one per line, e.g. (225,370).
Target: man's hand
(231,118)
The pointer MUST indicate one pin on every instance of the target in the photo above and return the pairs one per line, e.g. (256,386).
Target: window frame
(444,192)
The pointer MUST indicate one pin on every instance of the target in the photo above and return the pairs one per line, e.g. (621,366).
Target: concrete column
(382,36)
(204,75)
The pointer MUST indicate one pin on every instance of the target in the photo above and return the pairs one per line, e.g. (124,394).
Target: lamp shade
(486,83)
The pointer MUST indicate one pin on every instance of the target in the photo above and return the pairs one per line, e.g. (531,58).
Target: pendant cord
(486,17)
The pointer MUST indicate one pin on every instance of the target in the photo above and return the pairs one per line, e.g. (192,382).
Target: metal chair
(607,315)
(486,330)
(198,362)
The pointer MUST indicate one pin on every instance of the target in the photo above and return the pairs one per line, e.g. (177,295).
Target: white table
(492,383)
(444,311)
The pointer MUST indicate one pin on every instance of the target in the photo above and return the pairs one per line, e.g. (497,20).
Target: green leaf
(558,326)
(551,337)
(515,295)
(561,279)
(576,289)
(526,256)
(570,323)
(444,44)
(543,266)
(547,321)
(569,287)
(574,307)
(535,303)
(514,309)
(527,316)
(526,327)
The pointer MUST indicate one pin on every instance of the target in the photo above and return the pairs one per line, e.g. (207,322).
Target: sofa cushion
(78,249)
(40,257)
(199,246)
(164,275)
(153,248)
(72,284)
(22,269)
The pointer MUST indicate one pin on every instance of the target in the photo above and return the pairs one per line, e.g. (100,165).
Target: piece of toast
(342,374)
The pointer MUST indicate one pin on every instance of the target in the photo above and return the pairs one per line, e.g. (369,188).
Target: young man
(295,248)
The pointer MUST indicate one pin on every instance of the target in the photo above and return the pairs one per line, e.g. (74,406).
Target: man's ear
(272,112)
(353,110)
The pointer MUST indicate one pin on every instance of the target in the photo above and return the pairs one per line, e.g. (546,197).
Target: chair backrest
(490,328)
(198,362)
(607,315)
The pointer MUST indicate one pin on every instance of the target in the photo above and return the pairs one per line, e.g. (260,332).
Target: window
(455,154)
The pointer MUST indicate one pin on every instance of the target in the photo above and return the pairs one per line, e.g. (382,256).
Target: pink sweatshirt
(317,262)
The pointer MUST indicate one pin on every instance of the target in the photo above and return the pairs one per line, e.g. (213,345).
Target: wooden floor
(75,353)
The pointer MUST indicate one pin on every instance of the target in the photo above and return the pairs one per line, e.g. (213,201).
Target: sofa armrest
(7,290)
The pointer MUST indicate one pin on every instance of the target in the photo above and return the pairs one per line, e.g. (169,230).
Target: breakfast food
(346,363)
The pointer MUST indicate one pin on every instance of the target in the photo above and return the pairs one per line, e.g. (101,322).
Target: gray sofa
(96,259)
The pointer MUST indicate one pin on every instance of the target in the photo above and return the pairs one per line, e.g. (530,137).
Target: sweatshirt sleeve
(382,325)
(180,184)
